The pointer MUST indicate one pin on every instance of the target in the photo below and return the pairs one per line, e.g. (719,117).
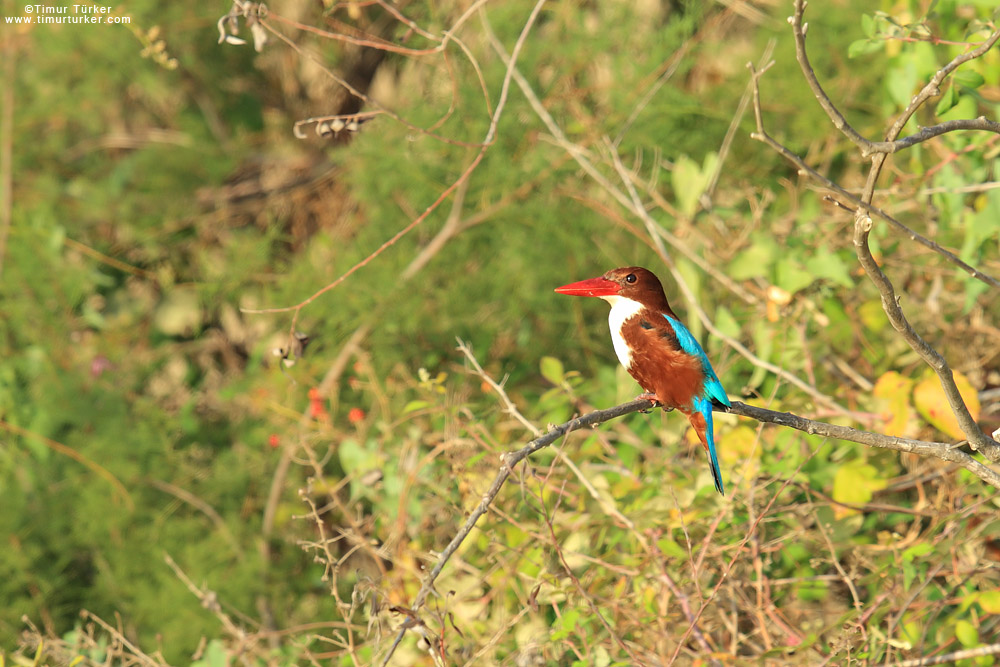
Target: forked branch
(863,217)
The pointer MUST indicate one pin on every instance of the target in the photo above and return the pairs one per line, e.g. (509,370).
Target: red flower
(355,415)
(273,441)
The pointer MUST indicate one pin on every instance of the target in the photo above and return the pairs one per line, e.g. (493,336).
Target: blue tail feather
(704,406)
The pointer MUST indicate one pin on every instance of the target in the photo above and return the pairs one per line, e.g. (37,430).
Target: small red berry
(316,409)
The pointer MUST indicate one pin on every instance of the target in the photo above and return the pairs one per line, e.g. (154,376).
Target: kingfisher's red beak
(592,287)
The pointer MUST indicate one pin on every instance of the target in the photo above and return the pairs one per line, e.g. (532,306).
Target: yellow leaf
(893,393)
(854,484)
(931,402)
(990,601)
(740,445)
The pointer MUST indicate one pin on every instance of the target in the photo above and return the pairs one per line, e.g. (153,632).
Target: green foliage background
(140,406)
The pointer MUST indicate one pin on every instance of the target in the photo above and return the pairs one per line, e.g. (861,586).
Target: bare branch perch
(964,654)
(925,133)
(941,450)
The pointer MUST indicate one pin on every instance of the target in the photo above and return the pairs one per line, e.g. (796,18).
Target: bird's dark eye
(630,278)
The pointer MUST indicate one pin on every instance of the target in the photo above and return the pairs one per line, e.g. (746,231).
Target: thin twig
(684,602)
(734,125)
(964,654)
(118,636)
(835,559)
(203,506)
(731,564)
(941,450)
(209,600)
(594,609)
(509,406)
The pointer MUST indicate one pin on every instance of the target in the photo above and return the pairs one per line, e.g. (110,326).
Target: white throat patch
(622,309)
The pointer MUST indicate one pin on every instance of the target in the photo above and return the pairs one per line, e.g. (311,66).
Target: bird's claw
(648,397)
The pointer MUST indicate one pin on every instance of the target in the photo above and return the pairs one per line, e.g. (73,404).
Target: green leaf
(916,551)
(755,261)
(868,25)
(726,323)
(860,47)
(214,655)
(966,634)
(791,275)
(690,180)
(967,107)
(901,83)
(565,625)
(413,406)
(968,78)
(872,316)
(671,549)
(829,265)
(948,100)
(353,457)
(552,370)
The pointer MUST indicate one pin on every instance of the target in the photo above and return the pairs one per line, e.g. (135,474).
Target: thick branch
(863,226)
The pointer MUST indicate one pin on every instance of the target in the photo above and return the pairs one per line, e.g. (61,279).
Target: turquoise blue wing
(713,388)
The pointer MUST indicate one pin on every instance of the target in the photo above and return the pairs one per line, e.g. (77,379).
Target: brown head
(631,282)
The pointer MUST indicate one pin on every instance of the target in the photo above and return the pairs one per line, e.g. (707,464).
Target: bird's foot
(652,399)
(647,396)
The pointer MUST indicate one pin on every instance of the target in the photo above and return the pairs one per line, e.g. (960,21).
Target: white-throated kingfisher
(658,350)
